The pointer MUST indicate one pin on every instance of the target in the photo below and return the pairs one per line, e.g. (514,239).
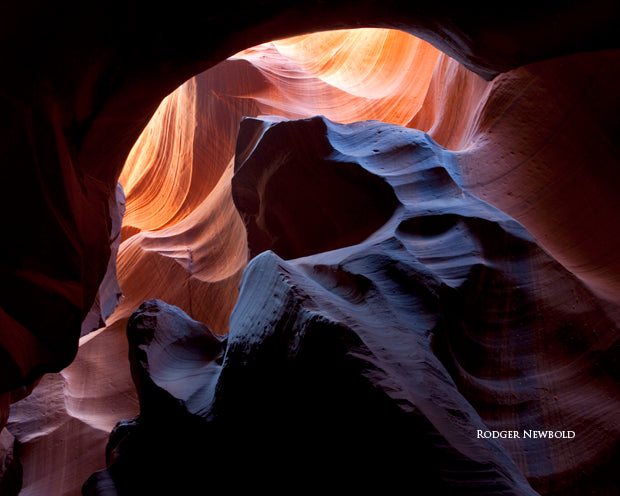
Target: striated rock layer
(510,310)
(183,241)
(377,359)
(86,79)
(345,75)
(540,143)
(182,238)
(82,81)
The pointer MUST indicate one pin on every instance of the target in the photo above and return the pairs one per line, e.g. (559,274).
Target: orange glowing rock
(520,142)
(196,262)
(346,75)
(163,152)
(183,240)
(176,178)
(451,105)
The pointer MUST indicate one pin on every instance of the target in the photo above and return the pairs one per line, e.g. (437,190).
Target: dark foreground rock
(378,362)
(10,466)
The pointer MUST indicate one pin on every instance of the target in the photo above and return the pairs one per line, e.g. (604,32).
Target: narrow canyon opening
(180,220)
(182,239)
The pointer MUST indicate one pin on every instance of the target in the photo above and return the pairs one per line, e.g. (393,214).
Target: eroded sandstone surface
(385,355)
(538,141)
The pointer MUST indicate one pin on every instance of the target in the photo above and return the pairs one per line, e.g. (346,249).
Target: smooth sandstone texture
(82,104)
(551,131)
(87,78)
(164,263)
(195,257)
(345,75)
(444,321)
(298,211)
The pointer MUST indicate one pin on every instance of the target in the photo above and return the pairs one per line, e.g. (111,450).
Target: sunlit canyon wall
(521,145)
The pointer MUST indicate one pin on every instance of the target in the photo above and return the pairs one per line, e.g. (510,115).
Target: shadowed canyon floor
(395,298)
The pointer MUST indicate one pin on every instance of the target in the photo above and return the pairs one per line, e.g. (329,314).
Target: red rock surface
(444,322)
(183,240)
(177,176)
(537,125)
(83,88)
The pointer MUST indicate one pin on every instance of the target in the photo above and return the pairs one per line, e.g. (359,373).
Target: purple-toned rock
(304,199)
(391,359)
(10,466)
(109,292)
(172,355)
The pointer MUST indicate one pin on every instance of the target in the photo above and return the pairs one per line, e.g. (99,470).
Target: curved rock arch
(86,80)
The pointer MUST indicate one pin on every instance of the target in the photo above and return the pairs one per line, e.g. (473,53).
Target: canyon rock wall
(183,240)
(556,141)
(85,81)
(446,321)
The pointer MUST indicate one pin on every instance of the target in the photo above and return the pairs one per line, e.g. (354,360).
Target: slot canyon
(363,246)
